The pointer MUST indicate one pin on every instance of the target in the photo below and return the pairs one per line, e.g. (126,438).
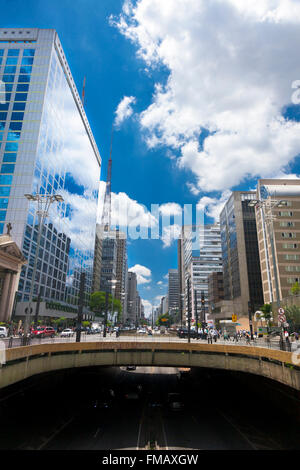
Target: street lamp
(113,283)
(44,202)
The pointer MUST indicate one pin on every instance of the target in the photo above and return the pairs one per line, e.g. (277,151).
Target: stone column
(4,296)
(11,295)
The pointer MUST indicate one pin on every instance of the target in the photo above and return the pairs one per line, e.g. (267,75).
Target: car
(43,332)
(154,400)
(131,368)
(183,333)
(131,396)
(141,331)
(175,402)
(3,332)
(104,401)
(67,333)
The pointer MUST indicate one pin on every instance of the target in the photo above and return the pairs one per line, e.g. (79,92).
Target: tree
(97,304)
(60,321)
(292,314)
(266,309)
(295,289)
(164,320)
(86,324)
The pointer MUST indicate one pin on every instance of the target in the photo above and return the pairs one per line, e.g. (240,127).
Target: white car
(67,333)
(141,331)
(3,332)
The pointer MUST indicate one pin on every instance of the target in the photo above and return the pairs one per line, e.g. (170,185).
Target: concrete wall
(24,362)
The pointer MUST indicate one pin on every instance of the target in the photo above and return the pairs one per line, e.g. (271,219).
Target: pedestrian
(286,334)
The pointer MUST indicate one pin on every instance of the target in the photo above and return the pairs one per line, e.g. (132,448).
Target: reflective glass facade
(47,147)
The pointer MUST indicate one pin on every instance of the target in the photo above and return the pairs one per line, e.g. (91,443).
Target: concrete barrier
(26,361)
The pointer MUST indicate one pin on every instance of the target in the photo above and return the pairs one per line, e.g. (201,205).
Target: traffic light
(202,298)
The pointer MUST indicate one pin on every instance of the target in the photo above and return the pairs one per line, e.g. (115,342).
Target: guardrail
(14,342)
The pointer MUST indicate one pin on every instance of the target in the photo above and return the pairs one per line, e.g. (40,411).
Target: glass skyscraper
(47,147)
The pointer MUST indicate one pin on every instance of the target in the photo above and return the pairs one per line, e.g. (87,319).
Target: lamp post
(113,283)
(181,308)
(123,297)
(44,202)
(196,311)
(189,310)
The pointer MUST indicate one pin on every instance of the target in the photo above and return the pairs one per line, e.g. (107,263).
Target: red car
(43,332)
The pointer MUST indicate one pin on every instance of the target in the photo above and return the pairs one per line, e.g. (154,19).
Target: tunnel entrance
(148,408)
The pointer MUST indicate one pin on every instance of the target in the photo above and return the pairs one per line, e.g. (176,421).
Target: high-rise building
(164,305)
(131,298)
(122,270)
(109,261)
(241,268)
(201,255)
(97,260)
(284,224)
(215,290)
(47,147)
(173,290)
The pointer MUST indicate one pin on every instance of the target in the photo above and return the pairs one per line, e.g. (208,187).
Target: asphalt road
(219,413)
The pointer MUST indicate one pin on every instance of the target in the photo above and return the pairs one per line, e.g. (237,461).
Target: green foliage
(58,321)
(86,324)
(97,303)
(160,321)
(292,314)
(267,313)
(295,289)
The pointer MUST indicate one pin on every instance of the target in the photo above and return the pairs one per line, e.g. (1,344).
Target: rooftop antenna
(106,214)
(83,91)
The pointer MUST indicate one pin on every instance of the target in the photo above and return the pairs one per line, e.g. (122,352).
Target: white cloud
(143,274)
(170,208)
(213,206)
(124,109)
(159,283)
(124,210)
(231,65)
(147,306)
(170,233)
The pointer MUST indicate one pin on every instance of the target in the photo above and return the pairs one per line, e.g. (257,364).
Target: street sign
(282,318)
(281,311)
(234,318)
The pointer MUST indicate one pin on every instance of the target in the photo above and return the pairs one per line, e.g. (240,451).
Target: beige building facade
(11,262)
(278,228)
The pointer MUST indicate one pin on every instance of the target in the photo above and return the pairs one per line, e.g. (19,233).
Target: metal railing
(283,345)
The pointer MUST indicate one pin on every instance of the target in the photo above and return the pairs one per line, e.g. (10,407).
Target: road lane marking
(54,434)
(140,429)
(236,428)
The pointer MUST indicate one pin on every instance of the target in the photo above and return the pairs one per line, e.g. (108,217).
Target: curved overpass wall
(24,362)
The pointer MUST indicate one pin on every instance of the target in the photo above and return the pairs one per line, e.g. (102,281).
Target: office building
(241,267)
(173,290)
(284,224)
(131,298)
(215,290)
(109,261)
(47,147)
(201,255)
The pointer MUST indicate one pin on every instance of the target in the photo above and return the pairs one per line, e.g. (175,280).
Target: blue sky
(212,88)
